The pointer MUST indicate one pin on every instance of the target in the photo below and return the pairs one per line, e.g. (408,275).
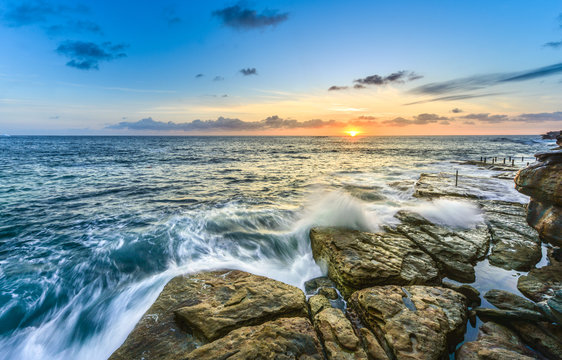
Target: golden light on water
(352,132)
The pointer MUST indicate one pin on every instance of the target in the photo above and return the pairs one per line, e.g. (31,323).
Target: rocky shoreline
(402,293)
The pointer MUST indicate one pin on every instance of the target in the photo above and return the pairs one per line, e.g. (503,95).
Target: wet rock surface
(413,322)
(194,310)
(288,338)
(338,335)
(356,259)
(542,181)
(455,252)
(495,341)
(541,284)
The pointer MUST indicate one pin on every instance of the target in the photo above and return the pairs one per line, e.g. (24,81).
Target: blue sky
(394,67)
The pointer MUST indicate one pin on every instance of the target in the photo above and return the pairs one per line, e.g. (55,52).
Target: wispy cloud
(336,88)
(478,82)
(242,18)
(222,123)
(421,119)
(249,71)
(199,76)
(218,78)
(87,55)
(526,118)
(75,27)
(25,13)
(456,111)
(553,44)
(452,98)
(397,77)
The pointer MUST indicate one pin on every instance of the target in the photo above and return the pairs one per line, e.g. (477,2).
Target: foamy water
(92,228)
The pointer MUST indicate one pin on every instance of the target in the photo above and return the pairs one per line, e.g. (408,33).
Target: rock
(541,284)
(286,338)
(195,309)
(547,220)
(507,301)
(543,183)
(413,322)
(551,135)
(544,337)
(318,303)
(312,286)
(495,342)
(330,293)
(372,347)
(496,166)
(338,336)
(541,180)
(455,252)
(506,316)
(235,299)
(472,295)
(357,259)
(443,185)
(555,305)
(515,245)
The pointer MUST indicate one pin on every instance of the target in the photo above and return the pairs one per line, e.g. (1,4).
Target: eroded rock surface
(356,259)
(287,338)
(338,335)
(455,252)
(495,342)
(413,322)
(196,309)
(541,284)
(443,185)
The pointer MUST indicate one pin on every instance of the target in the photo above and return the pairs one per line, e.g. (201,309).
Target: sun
(352,132)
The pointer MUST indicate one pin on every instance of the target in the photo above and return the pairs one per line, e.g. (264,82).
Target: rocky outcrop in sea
(406,292)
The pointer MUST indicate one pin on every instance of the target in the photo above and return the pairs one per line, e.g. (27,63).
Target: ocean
(92,228)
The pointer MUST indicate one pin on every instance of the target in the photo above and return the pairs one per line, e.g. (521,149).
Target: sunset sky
(280,67)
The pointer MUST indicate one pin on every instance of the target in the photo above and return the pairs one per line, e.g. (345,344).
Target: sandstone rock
(515,245)
(495,342)
(544,337)
(455,252)
(195,309)
(338,336)
(358,259)
(507,301)
(312,286)
(547,220)
(472,295)
(507,316)
(318,303)
(330,293)
(414,322)
(286,338)
(541,284)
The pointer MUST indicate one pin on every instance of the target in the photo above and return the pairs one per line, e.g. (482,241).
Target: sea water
(92,228)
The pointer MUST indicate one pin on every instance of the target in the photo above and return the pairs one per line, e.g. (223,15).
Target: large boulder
(455,251)
(356,259)
(507,301)
(542,181)
(412,322)
(541,284)
(196,309)
(542,336)
(338,335)
(495,342)
(515,245)
(286,338)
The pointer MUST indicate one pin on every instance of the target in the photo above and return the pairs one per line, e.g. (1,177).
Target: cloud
(76,27)
(359,86)
(527,118)
(218,78)
(421,119)
(337,88)
(87,55)
(452,98)
(249,71)
(397,77)
(456,110)
(230,124)
(468,122)
(478,82)
(54,19)
(170,15)
(241,18)
(199,76)
(553,44)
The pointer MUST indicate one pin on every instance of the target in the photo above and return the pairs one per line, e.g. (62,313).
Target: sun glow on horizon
(352,133)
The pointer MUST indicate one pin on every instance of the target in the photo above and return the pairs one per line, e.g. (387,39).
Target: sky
(303,67)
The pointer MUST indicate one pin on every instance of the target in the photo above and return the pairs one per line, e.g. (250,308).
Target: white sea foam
(454,213)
